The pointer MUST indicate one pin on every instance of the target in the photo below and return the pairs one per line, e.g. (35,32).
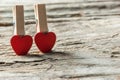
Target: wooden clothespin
(44,42)
(18,19)
(40,14)
(20,42)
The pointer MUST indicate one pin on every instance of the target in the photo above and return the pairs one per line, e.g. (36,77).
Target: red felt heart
(21,44)
(45,41)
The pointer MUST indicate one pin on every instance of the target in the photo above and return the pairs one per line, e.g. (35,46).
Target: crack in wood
(30,61)
(72,43)
(49,68)
(85,76)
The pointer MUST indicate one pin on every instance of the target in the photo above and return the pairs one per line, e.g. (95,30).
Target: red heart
(21,44)
(45,41)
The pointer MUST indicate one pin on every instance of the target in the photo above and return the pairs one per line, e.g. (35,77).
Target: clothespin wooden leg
(18,18)
(40,14)
(44,39)
(20,42)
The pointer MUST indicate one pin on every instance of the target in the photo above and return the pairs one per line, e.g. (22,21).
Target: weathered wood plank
(87,47)
(102,9)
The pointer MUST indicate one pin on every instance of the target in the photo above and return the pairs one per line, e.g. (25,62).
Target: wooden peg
(40,14)
(18,19)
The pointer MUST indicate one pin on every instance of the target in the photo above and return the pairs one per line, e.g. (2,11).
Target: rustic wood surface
(87,47)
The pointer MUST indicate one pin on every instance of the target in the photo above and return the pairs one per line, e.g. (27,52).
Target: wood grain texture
(87,47)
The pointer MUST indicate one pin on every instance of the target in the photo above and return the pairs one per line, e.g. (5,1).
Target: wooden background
(87,47)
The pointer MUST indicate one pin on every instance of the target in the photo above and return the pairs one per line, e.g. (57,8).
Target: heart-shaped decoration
(45,41)
(21,44)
